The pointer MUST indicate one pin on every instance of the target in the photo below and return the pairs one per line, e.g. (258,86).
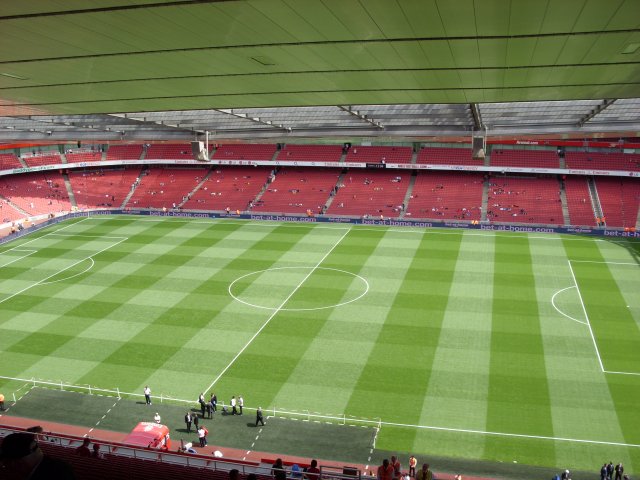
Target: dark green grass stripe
(519,399)
(273,356)
(612,333)
(414,322)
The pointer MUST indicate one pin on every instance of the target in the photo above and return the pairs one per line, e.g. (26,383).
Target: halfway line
(275,312)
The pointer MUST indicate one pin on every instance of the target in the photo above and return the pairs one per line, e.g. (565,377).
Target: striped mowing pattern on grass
(450,334)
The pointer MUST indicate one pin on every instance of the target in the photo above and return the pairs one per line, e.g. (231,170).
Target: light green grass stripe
(518,390)
(397,373)
(577,388)
(458,386)
(333,360)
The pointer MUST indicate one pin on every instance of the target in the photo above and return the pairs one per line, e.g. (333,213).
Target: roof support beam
(605,103)
(477,118)
(357,114)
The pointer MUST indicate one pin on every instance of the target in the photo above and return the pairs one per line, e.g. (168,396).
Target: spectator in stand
(397,468)
(96,451)
(313,472)
(412,466)
(385,471)
(296,472)
(83,450)
(234,474)
(22,459)
(425,473)
(277,470)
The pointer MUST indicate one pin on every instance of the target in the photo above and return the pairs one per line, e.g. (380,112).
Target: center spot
(296,289)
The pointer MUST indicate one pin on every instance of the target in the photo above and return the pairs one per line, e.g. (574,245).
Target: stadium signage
(326,219)
(401,166)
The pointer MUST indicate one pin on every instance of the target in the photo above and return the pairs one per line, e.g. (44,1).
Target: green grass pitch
(491,346)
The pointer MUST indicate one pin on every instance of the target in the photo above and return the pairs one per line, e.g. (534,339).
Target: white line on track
(553,302)
(275,312)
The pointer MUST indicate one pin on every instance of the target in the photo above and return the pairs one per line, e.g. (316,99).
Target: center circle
(363,282)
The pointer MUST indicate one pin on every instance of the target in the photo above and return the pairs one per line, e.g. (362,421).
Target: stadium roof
(278,70)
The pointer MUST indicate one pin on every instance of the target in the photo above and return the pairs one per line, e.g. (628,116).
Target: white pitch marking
(553,302)
(622,373)
(298,309)
(608,263)
(60,271)
(586,316)
(275,312)
(72,276)
(54,234)
(30,252)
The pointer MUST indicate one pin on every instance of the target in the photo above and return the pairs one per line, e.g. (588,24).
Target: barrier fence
(304,415)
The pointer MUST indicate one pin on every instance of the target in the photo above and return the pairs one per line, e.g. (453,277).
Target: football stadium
(268,239)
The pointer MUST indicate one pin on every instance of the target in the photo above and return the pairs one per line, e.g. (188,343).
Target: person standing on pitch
(147,395)
(187,421)
(214,402)
(259,417)
(240,403)
(234,409)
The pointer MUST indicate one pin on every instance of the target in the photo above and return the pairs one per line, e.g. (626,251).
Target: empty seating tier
(447,156)
(524,200)
(124,152)
(36,161)
(165,187)
(310,153)
(579,201)
(379,154)
(36,193)
(446,196)
(8,161)
(169,151)
(242,151)
(229,187)
(78,157)
(619,199)
(372,193)
(602,161)
(298,190)
(102,188)
(525,158)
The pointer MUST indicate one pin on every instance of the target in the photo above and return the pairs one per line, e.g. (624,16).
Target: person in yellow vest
(1,402)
